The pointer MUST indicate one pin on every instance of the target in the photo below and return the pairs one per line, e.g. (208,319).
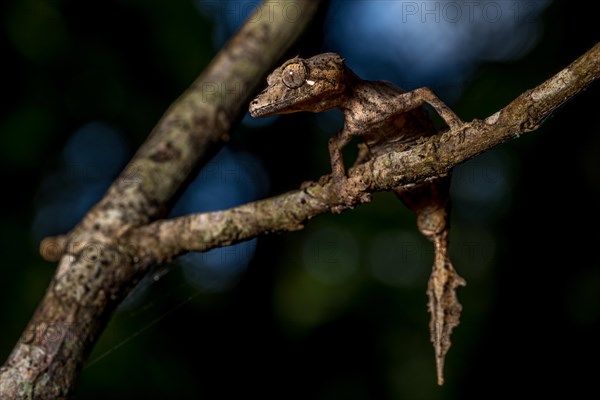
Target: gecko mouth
(280,107)
(257,112)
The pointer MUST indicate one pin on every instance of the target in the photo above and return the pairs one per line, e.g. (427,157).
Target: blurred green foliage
(320,313)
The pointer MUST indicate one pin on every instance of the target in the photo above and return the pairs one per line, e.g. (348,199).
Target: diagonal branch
(95,270)
(435,156)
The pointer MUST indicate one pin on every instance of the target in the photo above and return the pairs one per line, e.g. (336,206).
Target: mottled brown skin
(388,118)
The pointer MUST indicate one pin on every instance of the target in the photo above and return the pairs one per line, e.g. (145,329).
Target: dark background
(316,313)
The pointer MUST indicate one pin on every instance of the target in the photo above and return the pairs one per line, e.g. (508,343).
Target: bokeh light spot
(331,255)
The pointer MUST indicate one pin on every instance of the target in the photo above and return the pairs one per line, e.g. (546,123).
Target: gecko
(387,118)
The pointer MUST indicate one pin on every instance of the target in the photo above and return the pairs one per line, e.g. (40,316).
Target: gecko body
(387,118)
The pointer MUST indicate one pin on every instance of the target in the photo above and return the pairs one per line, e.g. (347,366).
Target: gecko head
(314,84)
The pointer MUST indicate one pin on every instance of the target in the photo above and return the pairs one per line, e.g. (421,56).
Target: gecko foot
(342,195)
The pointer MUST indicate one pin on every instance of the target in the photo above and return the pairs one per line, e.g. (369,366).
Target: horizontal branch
(165,239)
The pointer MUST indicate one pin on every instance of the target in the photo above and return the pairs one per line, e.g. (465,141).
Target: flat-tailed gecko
(388,118)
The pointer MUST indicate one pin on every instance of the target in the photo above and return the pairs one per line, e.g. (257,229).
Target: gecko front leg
(336,143)
(338,170)
(418,97)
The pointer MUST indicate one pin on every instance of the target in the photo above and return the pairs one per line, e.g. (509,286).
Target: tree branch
(96,271)
(435,156)
(115,243)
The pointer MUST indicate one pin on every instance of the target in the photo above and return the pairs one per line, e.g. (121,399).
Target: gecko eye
(294,75)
